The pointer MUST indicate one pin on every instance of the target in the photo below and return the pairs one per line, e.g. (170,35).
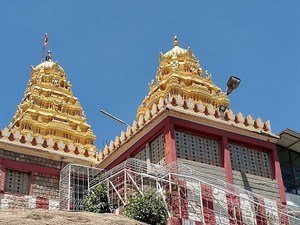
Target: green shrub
(149,208)
(96,200)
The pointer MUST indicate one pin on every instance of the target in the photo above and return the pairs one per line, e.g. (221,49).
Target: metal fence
(190,198)
(75,181)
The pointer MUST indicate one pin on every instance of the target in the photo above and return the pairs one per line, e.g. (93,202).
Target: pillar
(226,159)
(170,149)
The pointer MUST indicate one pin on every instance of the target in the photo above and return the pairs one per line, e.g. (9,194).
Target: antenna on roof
(113,117)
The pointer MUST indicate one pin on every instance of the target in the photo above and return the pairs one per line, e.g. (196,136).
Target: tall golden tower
(50,109)
(179,73)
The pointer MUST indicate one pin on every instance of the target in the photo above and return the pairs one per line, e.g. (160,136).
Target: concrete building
(289,157)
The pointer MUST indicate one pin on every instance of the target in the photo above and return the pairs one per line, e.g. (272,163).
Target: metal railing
(75,181)
(190,198)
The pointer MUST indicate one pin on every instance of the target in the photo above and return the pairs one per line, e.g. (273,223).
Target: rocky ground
(46,217)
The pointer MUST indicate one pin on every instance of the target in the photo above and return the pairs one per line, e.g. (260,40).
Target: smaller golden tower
(50,109)
(179,73)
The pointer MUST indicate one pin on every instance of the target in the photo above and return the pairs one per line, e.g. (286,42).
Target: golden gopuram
(179,73)
(50,109)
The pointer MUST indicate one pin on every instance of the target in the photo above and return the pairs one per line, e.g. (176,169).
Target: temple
(48,131)
(211,166)
(181,113)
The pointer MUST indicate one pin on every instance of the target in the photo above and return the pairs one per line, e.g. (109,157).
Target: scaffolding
(189,196)
(74,184)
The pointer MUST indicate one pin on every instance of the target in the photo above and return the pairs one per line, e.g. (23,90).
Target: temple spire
(49,109)
(176,43)
(179,74)
(49,57)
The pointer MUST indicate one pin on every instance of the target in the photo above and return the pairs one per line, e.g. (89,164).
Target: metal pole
(142,182)
(179,197)
(43,51)
(107,185)
(88,177)
(69,188)
(201,202)
(125,185)
(114,117)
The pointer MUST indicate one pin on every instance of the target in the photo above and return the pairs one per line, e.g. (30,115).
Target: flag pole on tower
(44,46)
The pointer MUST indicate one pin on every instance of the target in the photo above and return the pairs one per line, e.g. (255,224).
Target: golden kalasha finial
(176,43)
(48,57)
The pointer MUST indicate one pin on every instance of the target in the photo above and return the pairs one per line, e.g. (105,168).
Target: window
(287,174)
(250,160)
(17,182)
(157,150)
(290,169)
(141,155)
(197,148)
(295,159)
(284,156)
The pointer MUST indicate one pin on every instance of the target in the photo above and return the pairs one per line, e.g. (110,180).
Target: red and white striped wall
(27,201)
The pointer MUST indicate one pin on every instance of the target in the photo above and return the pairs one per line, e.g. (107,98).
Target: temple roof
(179,107)
(179,73)
(181,91)
(46,148)
(50,110)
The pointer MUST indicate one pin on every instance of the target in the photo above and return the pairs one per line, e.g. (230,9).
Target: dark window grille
(17,182)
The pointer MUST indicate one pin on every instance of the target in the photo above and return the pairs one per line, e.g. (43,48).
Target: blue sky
(109,50)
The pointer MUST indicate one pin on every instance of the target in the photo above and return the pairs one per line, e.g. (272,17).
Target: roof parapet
(188,106)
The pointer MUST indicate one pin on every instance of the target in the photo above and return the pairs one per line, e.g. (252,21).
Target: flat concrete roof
(289,139)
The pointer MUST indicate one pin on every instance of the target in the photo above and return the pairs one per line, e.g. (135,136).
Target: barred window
(197,148)
(157,150)
(141,155)
(17,182)
(250,160)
